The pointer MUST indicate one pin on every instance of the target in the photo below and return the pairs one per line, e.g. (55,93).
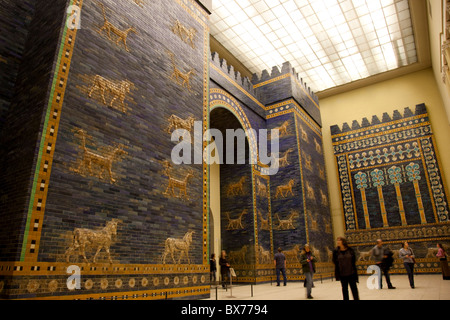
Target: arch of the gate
(259,253)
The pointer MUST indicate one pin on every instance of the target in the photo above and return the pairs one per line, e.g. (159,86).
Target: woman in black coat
(224,268)
(344,259)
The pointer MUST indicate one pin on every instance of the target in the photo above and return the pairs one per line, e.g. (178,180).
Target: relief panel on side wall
(391,181)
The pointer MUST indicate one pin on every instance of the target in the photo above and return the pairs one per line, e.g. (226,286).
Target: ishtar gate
(91,92)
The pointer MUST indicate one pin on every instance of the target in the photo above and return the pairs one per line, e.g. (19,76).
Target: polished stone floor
(427,287)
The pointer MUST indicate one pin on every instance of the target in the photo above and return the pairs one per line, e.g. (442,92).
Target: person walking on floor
(280,266)
(442,255)
(386,264)
(307,259)
(380,258)
(344,259)
(407,254)
(224,268)
(212,269)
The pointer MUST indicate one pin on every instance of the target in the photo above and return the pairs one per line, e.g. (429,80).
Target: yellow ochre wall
(396,94)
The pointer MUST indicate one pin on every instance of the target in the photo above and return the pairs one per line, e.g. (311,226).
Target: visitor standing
(379,254)
(212,268)
(386,264)
(280,266)
(307,259)
(407,254)
(442,255)
(224,268)
(344,259)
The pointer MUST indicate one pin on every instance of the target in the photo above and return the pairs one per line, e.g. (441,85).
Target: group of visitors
(224,268)
(344,259)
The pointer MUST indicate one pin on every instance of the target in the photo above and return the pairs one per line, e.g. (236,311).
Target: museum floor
(428,287)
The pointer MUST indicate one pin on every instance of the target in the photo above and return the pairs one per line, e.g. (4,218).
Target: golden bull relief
(313,222)
(99,239)
(303,134)
(292,255)
(283,129)
(321,171)
(261,188)
(318,146)
(263,255)
(310,191)
(173,245)
(323,198)
(118,90)
(308,162)
(284,190)
(238,256)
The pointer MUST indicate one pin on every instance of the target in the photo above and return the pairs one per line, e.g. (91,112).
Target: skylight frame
(339,47)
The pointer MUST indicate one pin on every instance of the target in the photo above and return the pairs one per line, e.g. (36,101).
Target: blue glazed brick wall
(278,93)
(137,199)
(151,68)
(232,206)
(137,194)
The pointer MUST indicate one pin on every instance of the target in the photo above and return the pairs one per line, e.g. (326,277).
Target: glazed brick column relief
(391,184)
(105,196)
(299,191)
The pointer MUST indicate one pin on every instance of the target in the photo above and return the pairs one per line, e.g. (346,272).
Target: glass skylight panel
(328,42)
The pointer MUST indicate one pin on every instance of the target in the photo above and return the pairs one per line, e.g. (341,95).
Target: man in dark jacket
(224,268)
(386,264)
(307,259)
(280,266)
